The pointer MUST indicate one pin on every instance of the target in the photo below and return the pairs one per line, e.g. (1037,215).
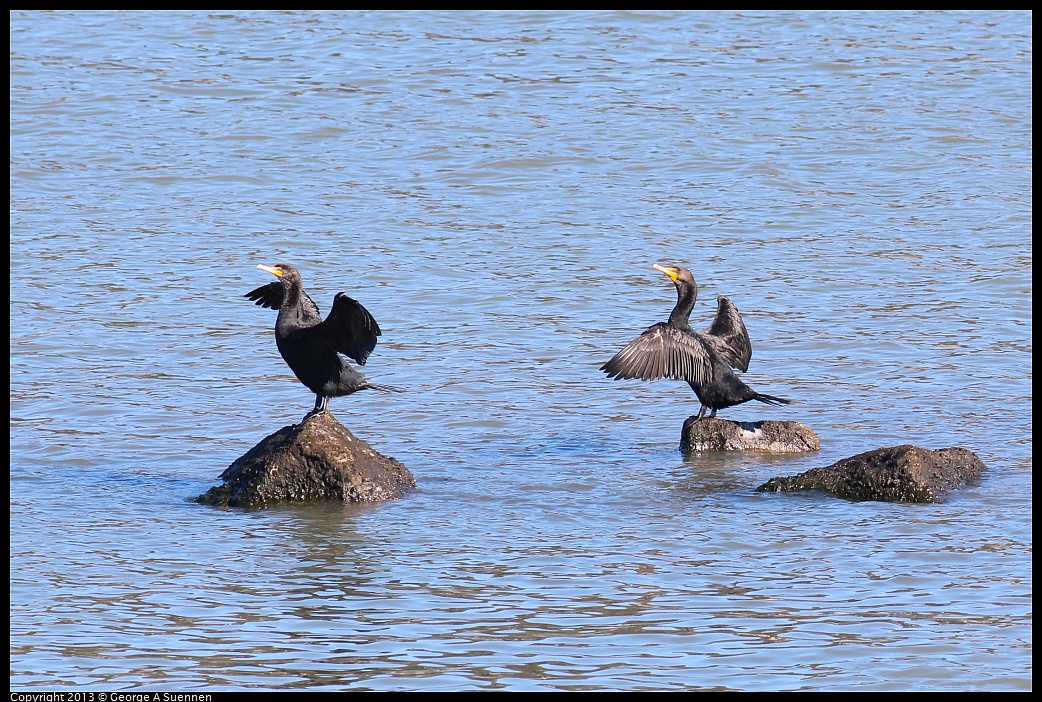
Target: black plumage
(674,350)
(311,346)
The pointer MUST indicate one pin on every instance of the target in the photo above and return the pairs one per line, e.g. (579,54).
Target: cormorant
(310,346)
(674,350)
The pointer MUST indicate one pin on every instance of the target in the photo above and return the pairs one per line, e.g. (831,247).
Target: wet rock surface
(714,434)
(318,459)
(904,473)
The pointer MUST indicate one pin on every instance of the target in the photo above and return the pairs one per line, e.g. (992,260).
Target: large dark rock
(897,474)
(318,459)
(713,434)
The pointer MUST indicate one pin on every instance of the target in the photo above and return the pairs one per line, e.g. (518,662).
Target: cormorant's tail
(771,399)
(383,388)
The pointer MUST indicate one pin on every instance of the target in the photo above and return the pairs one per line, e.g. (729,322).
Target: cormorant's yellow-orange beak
(277,272)
(671,272)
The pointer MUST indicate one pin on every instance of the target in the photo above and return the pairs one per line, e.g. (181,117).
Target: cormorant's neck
(291,294)
(687,293)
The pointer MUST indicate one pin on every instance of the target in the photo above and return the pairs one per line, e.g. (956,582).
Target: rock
(713,434)
(318,459)
(897,474)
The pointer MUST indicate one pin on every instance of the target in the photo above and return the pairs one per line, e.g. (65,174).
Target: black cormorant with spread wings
(704,359)
(312,346)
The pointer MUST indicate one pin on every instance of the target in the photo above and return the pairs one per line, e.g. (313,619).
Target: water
(494,188)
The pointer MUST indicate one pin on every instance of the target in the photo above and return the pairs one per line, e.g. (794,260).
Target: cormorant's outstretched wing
(727,335)
(271,296)
(349,329)
(662,351)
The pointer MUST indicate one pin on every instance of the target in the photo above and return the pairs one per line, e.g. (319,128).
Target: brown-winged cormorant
(674,350)
(312,346)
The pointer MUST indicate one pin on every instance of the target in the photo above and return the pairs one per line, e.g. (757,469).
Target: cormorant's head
(283,271)
(678,274)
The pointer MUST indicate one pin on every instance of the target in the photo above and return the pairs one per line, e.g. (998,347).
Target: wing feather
(663,352)
(349,329)
(728,337)
(272,294)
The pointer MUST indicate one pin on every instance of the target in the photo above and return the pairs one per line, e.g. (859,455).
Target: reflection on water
(495,187)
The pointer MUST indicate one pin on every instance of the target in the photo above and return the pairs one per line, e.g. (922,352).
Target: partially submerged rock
(713,434)
(904,473)
(318,459)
